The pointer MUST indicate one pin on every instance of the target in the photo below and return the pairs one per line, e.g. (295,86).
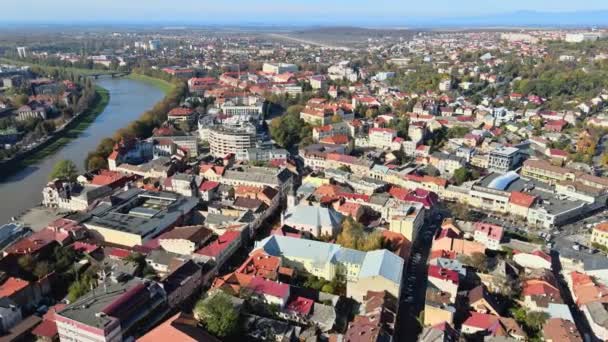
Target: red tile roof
(493,231)
(270,288)
(180,111)
(208,185)
(522,199)
(216,247)
(443,274)
(11,286)
(300,305)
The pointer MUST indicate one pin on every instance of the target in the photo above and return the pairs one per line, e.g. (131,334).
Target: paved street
(414,285)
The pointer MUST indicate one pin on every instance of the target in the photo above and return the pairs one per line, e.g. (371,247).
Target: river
(128,99)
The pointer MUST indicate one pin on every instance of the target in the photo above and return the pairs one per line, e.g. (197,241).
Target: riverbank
(75,71)
(59,138)
(163,85)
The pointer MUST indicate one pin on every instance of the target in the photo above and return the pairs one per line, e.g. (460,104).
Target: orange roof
(11,286)
(522,199)
(603,227)
(339,139)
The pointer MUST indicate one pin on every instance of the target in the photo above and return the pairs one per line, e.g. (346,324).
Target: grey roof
(382,263)
(598,313)
(323,315)
(144,213)
(594,264)
(313,216)
(86,309)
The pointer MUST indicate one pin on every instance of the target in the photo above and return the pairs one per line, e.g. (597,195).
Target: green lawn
(84,121)
(163,85)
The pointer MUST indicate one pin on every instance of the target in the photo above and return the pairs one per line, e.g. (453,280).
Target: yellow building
(600,234)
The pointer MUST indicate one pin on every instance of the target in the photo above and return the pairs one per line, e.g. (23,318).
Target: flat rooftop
(142,212)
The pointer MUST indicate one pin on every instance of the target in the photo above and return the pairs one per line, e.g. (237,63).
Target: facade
(138,216)
(279,68)
(378,270)
(224,140)
(599,235)
(109,313)
(504,159)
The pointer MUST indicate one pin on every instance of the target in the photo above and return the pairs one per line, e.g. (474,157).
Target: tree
(64,169)
(96,162)
(354,236)
(218,315)
(476,260)
(20,100)
(461,175)
(42,269)
(26,262)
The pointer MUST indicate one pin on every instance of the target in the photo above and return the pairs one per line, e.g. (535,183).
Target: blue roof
(350,256)
(313,216)
(382,263)
(502,182)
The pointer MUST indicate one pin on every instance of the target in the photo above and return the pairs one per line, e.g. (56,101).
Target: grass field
(84,121)
(163,85)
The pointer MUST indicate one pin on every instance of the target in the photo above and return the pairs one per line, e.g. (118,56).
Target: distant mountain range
(516,19)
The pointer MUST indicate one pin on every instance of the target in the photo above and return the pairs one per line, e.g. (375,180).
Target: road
(413,290)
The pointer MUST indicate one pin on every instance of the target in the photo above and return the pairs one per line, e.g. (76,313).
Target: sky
(273,11)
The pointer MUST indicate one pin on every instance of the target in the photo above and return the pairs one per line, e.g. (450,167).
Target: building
(503,159)
(231,139)
(109,312)
(488,234)
(262,154)
(279,68)
(22,51)
(318,221)
(180,327)
(179,114)
(381,137)
(560,330)
(379,270)
(184,240)
(599,235)
(136,216)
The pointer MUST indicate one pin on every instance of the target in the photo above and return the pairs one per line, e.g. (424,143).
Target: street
(413,290)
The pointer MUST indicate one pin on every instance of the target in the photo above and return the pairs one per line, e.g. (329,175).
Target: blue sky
(273,11)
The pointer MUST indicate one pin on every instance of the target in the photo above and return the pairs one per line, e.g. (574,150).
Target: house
(491,325)
(179,114)
(599,235)
(182,282)
(439,306)
(480,300)
(222,248)
(534,260)
(441,332)
(184,240)
(179,327)
(560,330)
(488,234)
(444,279)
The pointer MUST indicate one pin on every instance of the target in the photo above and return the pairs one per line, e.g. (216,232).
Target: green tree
(218,315)
(461,175)
(42,269)
(64,169)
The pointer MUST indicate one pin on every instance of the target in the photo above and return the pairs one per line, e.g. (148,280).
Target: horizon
(357,13)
